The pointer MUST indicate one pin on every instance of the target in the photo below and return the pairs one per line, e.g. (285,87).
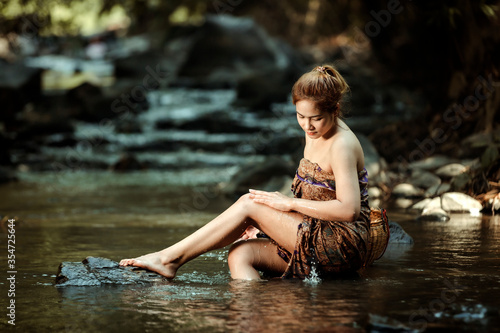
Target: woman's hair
(324,86)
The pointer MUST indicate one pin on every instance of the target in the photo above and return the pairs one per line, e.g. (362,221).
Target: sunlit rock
(403,203)
(374,192)
(460,202)
(450,170)
(434,214)
(405,190)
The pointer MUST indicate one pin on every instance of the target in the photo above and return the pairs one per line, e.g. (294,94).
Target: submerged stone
(398,235)
(377,323)
(95,271)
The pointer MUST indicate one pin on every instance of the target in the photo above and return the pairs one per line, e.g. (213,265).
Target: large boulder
(94,271)
(226,50)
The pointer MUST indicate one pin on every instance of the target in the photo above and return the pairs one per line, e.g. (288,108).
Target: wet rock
(405,190)
(75,274)
(427,204)
(467,313)
(398,235)
(434,214)
(460,202)
(450,170)
(94,271)
(421,204)
(378,323)
(424,179)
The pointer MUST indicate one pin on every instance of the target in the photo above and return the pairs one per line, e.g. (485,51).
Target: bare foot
(153,262)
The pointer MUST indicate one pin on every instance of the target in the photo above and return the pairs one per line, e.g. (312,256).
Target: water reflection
(58,225)
(287,305)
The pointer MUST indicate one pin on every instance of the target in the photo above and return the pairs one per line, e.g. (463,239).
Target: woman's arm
(348,203)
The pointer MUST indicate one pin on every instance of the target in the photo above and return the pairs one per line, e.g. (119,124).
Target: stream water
(448,280)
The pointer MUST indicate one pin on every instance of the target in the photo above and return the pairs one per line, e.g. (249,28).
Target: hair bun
(324,86)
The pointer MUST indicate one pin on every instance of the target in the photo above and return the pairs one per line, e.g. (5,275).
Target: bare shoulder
(345,139)
(347,145)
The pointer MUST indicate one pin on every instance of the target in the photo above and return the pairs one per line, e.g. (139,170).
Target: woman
(325,226)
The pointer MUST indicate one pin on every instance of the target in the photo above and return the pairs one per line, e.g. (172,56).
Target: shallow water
(448,280)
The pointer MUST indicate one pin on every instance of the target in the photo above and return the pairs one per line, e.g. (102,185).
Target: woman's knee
(246,204)
(245,199)
(240,252)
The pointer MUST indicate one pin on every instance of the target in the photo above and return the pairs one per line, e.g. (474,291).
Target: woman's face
(313,121)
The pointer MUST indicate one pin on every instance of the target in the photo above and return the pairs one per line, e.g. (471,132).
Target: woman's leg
(246,258)
(222,231)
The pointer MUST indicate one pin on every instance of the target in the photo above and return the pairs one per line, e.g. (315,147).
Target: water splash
(313,277)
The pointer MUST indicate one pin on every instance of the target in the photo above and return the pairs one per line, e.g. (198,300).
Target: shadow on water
(448,280)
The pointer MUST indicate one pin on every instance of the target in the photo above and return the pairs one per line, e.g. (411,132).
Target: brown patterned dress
(330,247)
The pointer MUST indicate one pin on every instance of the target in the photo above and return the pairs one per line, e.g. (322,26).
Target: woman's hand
(274,200)
(249,233)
